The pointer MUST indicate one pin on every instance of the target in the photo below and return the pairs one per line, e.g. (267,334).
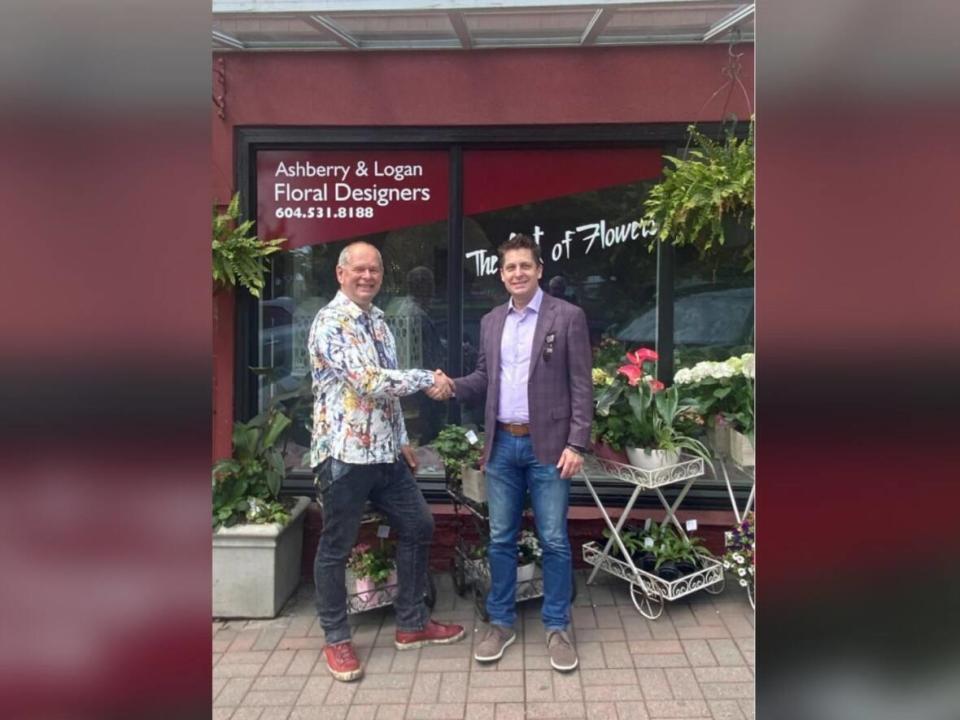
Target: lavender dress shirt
(515,345)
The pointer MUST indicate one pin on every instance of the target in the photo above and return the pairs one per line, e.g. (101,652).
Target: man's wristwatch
(576,448)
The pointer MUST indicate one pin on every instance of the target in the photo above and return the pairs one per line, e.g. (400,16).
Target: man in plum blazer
(534,365)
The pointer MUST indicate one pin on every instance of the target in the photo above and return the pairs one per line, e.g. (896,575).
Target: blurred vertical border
(857,337)
(105,359)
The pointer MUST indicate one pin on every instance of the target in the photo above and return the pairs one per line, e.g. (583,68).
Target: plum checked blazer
(560,384)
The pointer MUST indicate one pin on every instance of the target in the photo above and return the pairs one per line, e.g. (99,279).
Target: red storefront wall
(495,87)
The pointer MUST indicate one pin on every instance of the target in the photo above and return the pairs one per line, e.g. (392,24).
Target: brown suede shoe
(496,639)
(563,656)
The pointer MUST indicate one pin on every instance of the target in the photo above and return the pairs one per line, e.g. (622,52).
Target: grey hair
(344,259)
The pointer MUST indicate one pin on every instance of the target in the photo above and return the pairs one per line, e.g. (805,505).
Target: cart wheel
(459,574)
(717,588)
(430,597)
(650,606)
(480,600)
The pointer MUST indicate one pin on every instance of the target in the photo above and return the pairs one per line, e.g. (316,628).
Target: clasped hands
(442,388)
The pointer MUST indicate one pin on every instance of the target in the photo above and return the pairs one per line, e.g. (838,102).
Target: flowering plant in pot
(608,433)
(652,437)
(740,547)
(529,555)
(724,392)
(372,567)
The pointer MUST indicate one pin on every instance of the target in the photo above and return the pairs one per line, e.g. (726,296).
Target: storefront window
(713,305)
(321,202)
(582,207)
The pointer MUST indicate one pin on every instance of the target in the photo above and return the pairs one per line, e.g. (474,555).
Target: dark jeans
(391,489)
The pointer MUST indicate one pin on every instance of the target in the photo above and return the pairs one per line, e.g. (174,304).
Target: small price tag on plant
(648,542)
(691,524)
(472,437)
(383,531)
(646,524)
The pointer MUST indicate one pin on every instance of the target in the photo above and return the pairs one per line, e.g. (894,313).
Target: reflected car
(701,318)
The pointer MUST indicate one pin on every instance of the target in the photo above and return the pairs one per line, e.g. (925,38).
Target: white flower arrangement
(744,365)
(741,547)
(528,548)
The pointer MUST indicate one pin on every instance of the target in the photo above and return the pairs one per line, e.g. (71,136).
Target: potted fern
(706,198)
(238,257)
(257,535)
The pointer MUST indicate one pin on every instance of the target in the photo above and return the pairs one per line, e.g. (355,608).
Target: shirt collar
(533,305)
(352,309)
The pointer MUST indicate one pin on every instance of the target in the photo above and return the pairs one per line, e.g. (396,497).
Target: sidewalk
(695,661)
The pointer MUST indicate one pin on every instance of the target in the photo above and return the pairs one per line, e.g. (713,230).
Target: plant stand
(467,571)
(647,591)
(383,595)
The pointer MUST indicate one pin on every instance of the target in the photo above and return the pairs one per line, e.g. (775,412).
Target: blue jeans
(513,469)
(391,489)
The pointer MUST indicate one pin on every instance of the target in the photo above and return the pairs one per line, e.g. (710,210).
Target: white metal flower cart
(647,590)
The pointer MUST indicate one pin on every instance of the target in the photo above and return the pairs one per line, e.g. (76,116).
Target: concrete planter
(257,567)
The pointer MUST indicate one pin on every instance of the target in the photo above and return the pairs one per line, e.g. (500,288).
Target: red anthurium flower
(641,355)
(632,372)
(656,385)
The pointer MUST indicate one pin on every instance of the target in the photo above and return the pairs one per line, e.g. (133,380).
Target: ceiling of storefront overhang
(356,25)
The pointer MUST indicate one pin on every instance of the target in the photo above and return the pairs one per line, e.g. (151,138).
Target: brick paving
(695,661)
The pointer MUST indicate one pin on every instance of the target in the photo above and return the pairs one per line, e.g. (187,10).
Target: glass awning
(355,25)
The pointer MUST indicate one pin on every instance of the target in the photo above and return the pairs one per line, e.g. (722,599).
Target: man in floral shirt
(360,452)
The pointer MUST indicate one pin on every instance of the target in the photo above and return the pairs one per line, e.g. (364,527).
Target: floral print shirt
(356,387)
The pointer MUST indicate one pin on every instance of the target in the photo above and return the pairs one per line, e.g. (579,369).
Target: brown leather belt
(515,429)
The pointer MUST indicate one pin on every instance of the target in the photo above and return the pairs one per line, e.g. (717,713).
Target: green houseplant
(704,195)
(246,486)
(461,460)
(257,537)
(238,258)
(677,556)
(456,450)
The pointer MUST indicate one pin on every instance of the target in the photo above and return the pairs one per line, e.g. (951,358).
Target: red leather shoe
(433,634)
(342,661)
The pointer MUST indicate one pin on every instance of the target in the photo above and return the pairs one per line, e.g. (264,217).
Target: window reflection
(413,298)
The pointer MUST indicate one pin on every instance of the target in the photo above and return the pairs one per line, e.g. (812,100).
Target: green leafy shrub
(246,487)
(456,450)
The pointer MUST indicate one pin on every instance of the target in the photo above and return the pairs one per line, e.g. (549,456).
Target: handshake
(442,388)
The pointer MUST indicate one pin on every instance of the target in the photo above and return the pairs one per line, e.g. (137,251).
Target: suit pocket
(559,413)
